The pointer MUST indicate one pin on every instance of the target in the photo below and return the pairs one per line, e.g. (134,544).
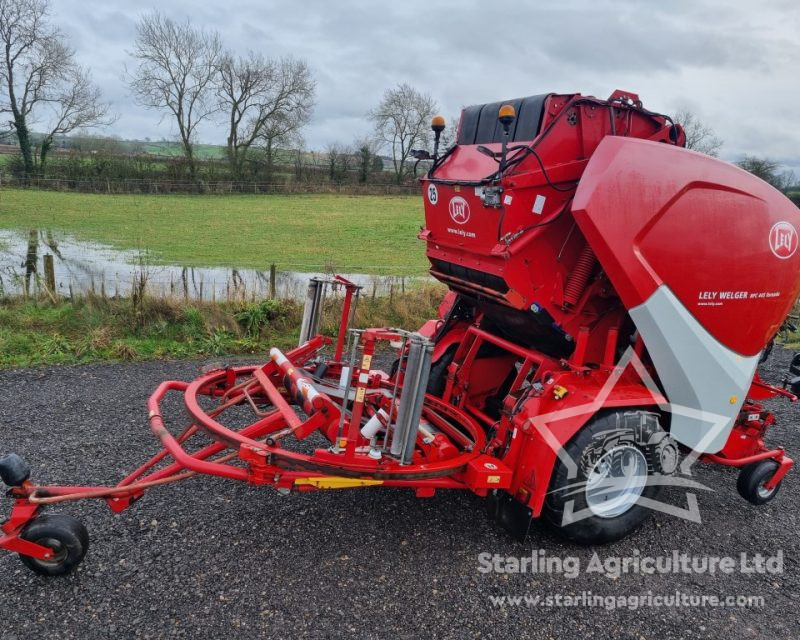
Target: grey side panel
(697,372)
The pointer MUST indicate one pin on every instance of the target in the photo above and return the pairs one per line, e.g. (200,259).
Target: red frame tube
(785,463)
(350,290)
(174,447)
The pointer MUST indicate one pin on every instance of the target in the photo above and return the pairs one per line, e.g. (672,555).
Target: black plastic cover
(479,123)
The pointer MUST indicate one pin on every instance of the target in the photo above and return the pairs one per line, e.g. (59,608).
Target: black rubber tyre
(437,380)
(66,535)
(752,478)
(595,529)
(14,470)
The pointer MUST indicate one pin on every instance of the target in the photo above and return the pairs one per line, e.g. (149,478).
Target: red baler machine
(610,296)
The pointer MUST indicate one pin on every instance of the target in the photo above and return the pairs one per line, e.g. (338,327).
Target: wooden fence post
(272,278)
(49,274)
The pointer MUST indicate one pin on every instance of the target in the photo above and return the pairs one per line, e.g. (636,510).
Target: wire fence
(211,187)
(49,276)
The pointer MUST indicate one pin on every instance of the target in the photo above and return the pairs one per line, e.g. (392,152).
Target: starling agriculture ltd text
(539,562)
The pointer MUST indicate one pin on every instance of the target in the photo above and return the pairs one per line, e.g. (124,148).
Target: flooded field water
(83,267)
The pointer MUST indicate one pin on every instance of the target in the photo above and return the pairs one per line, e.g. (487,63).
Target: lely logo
(783,240)
(459,210)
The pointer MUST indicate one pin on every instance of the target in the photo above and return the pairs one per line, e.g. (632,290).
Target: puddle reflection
(83,267)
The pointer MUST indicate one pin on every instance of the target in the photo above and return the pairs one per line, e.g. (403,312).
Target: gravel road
(213,558)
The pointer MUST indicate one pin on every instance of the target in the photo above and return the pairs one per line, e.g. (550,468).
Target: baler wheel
(752,479)
(607,450)
(68,538)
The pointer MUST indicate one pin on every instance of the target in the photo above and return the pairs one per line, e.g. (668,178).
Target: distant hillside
(167,148)
(160,148)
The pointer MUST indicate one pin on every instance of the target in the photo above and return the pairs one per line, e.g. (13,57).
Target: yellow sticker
(366,362)
(360,394)
(493,479)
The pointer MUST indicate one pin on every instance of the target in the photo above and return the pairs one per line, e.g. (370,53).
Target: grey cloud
(710,53)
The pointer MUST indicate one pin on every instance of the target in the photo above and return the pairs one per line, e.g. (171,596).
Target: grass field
(174,149)
(367,234)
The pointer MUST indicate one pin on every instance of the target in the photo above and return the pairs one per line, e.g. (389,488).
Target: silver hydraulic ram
(415,383)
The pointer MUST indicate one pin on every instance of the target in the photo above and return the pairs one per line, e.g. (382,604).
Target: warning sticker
(538,204)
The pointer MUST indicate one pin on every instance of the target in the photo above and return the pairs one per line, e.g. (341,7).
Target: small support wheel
(14,470)
(752,479)
(68,538)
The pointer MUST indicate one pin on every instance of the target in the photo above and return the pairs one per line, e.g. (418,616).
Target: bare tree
(402,122)
(264,100)
(176,66)
(699,136)
(41,80)
(316,162)
(283,127)
(450,134)
(301,172)
(77,105)
(769,171)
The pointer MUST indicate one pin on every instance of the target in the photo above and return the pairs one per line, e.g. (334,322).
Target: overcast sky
(735,63)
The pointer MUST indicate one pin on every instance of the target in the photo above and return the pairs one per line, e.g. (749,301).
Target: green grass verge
(94,329)
(370,234)
(33,333)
